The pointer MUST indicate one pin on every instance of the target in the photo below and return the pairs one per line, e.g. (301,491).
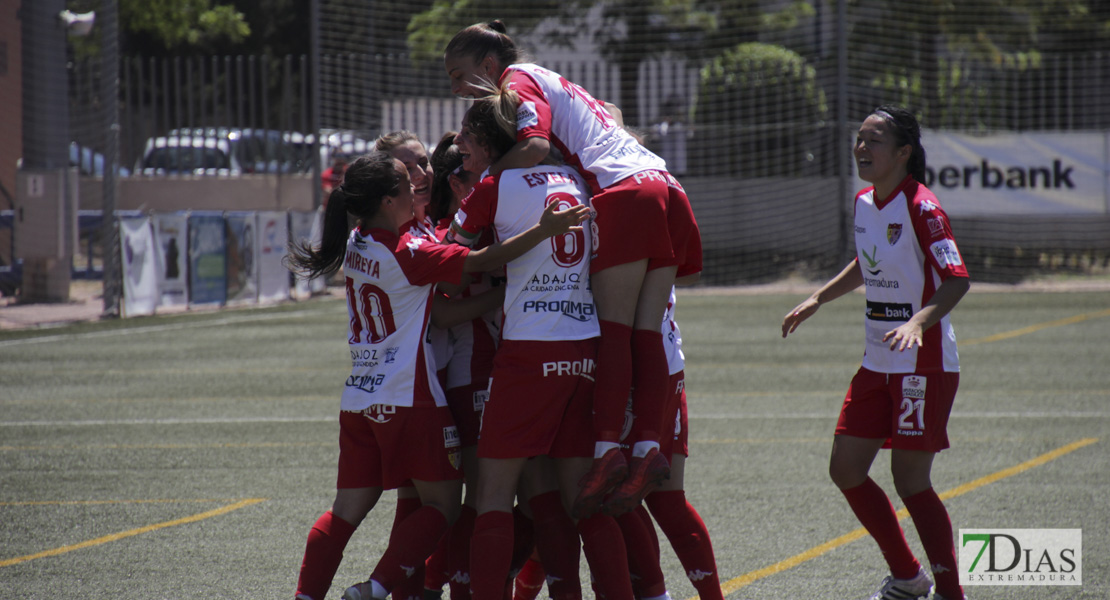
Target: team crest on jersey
(893,233)
(391,354)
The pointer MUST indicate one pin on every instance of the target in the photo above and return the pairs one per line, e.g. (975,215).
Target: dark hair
(367,180)
(906,131)
(446,159)
(388,141)
(492,121)
(484,39)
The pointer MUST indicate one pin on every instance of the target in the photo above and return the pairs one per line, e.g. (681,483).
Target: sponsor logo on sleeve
(946,253)
(936,226)
(526,115)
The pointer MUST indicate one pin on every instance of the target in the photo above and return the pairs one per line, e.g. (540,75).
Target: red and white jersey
(547,293)
(578,125)
(474,343)
(672,338)
(438,338)
(905,250)
(390,281)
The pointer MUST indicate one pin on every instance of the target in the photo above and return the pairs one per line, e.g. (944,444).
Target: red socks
(412,587)
(458,554)
(557,545)
(604,549)
(435,568)
(650,379)
(529,581)
(411,543)
(491,551)
(614,380)
(876,514)
(322,554)
(690,539)
(643,560)
(935,530)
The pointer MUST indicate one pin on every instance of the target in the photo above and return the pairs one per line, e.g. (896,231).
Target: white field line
(715,417)
(228,320)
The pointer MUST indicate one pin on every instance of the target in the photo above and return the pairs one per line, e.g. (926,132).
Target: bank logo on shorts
(1023,557)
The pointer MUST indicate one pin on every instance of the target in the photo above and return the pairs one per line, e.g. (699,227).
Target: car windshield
(180,159)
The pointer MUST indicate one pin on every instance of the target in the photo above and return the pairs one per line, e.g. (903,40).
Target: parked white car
(187,155)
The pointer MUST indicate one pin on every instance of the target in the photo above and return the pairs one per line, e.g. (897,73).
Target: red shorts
(676,405)
(540,400)
(645,216)
(909,410)
(466,403)
(385,446)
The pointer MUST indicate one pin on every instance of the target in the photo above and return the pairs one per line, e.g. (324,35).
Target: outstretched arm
(551,223)
(448,312)
(847,280)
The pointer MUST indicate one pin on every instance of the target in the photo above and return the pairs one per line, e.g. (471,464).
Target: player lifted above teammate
(644,233)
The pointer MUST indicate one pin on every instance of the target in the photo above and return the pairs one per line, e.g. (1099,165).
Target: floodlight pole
(108,16)
(314,93)
(843,134)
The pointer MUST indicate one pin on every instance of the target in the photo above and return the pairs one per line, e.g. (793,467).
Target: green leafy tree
(1011,34)
(159,27)
(628,32)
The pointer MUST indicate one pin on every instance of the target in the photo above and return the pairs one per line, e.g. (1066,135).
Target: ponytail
(365,182)
(906,131)
(492,120)
(485,39)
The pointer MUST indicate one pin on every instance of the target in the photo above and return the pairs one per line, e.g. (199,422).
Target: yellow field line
(735,584)
(99,502)
(125,534)
(1034,328)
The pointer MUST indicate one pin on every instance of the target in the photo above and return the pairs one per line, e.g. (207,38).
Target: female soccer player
(472,347)
(540,392)
(903,393)
(644,229)
(394,423)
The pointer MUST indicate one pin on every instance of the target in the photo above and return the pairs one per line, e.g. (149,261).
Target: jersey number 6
(567,249)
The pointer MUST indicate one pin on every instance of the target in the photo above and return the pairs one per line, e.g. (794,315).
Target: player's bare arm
(847,280)
(910,334)
(552,222)
(527,153)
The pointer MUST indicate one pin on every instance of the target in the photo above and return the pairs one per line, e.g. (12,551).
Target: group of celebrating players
(511,302)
